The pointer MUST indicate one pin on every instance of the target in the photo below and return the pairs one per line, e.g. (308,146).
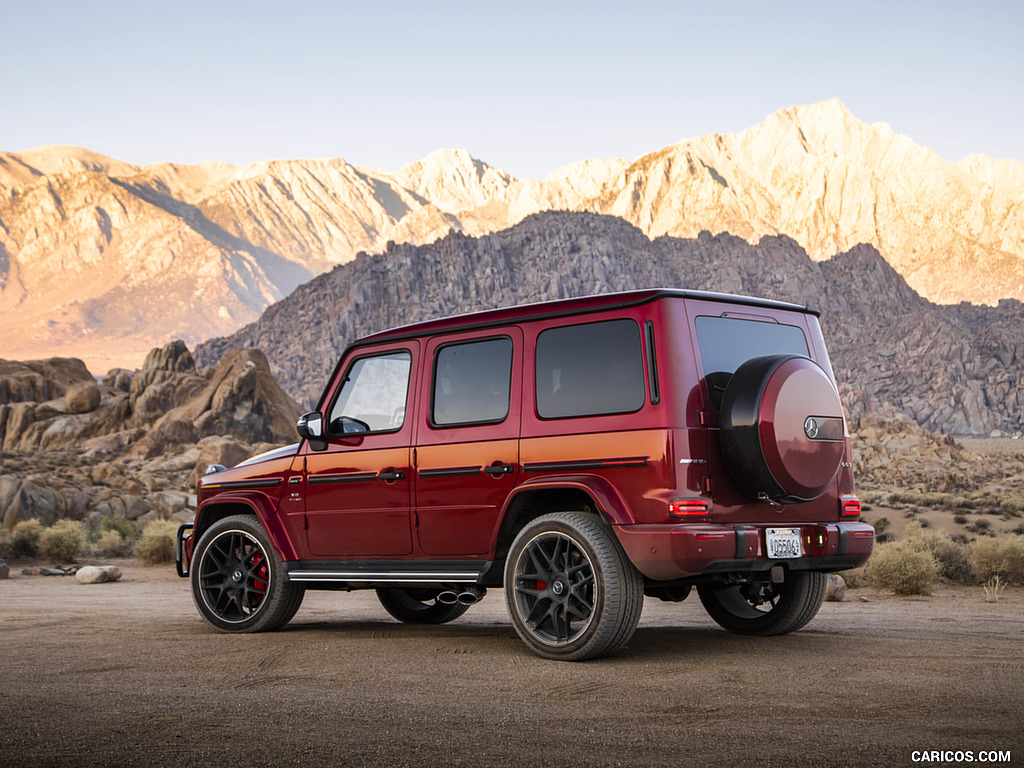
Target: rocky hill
(104,259)
(953,369)
(134,444)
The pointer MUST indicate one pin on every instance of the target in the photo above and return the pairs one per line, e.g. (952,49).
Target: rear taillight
(689,509)
(849,506)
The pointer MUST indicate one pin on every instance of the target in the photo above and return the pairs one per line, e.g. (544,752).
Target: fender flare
(611,506)
(262,506)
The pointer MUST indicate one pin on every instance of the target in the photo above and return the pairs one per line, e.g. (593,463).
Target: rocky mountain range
(953,369)
(102,259)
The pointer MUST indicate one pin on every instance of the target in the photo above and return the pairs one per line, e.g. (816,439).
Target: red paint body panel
(423,491)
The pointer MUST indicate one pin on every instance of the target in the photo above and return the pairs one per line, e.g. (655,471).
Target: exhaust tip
(448,597)
(471,596)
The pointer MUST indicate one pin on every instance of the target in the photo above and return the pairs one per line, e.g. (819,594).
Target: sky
(528,86)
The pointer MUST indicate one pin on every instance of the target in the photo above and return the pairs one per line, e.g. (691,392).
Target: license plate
(783,543)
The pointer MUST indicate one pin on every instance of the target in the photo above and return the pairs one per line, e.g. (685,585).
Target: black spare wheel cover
(782,428)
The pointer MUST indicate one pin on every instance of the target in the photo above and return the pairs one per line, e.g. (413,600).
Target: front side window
(589,370)
(472,382)
(372,397)
(728,342)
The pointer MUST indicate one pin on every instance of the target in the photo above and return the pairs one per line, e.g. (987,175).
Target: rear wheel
(763,608)
(571,591)
(238,583)
(418,606)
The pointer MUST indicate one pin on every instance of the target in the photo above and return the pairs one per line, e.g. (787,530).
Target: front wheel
(418,606)
(763,608)
(238,583)
(571,591)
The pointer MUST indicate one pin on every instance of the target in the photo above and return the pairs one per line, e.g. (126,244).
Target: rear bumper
(679,551)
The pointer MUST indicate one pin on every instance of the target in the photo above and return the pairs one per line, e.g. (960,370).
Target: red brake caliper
(261,571)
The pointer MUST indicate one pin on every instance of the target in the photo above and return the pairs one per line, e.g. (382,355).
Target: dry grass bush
(854,578)
(903,567)
(954,561)
(6,544)
(1003,557)
(156,545)
(62,541)
(26,538)
(111,544)
(121,524)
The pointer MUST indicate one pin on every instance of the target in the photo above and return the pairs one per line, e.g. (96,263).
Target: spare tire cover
(782,428)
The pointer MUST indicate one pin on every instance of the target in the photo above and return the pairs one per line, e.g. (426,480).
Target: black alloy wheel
(571,592)
(763,608)
(238,584)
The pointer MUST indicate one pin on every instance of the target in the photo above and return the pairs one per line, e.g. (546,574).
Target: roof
(566,307)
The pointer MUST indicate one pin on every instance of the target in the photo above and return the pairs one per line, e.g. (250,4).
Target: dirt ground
(127,674)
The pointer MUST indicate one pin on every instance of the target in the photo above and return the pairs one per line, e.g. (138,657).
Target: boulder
(95,574)
(170,357)
(835,590)
(40,380)
(82,397)
(118,379)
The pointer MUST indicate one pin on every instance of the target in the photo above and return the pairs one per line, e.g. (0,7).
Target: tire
(418,606)
(570,589)
(780,609)
(238,583)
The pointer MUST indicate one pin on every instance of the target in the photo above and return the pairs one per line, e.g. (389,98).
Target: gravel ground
(127,674)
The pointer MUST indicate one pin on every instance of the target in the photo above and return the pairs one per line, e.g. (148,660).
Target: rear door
(467,441)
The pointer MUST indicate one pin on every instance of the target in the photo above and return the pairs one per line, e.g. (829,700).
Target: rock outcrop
(952,369)
(134,453)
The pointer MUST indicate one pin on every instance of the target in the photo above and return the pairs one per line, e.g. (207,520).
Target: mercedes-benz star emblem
(811,427)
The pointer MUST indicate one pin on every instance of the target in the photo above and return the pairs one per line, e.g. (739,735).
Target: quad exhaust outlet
(466,596)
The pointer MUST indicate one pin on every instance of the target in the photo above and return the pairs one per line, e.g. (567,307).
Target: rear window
(589,370)
(472,382)
(728,342)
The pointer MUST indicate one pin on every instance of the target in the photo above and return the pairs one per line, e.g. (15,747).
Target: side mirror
(310,426)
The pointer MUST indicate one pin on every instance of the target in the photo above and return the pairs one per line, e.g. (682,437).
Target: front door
(358,490)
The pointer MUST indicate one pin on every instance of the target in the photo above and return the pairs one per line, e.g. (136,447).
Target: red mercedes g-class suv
(581,454)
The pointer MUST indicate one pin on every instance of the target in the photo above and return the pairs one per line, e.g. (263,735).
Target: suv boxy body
(578,453)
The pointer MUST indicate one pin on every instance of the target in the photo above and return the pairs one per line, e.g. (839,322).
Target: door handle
(500,469)
(390,475)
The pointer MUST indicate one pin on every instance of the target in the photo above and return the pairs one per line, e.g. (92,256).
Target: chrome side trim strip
(365,576)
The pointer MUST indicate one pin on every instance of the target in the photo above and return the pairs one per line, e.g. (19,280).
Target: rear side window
(728,342)
(589,370)
(472,382)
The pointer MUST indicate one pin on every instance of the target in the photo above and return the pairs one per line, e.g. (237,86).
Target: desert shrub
(980,526)
(1003,557)
(110,544)
(26,537)
(854,578)
(62,541)
(903,567)
(884,538)
(954,560)
(881,524)
(156,545)
(6,544)
(120,524)
(960,519)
